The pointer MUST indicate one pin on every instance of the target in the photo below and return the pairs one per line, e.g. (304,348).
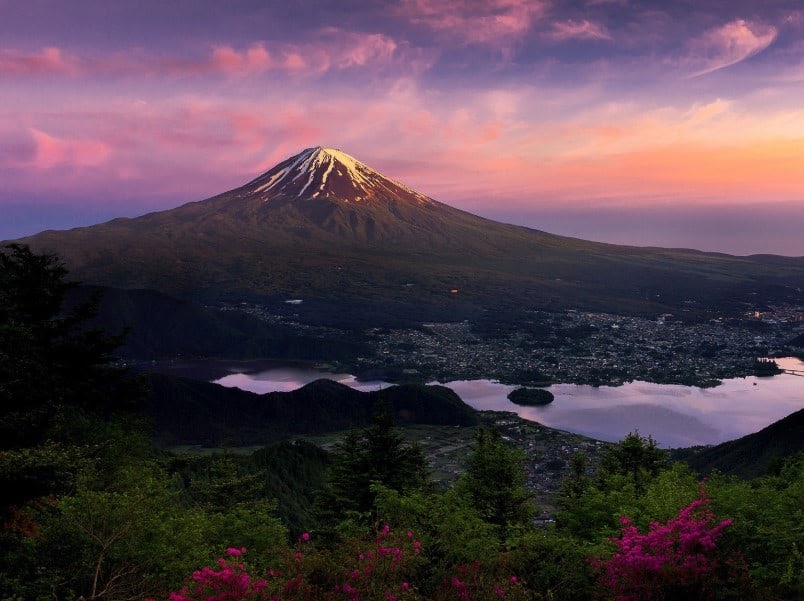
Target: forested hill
(187,411)
(752,455)
(159,326)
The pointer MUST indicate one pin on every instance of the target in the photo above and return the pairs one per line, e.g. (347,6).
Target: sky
(651,122)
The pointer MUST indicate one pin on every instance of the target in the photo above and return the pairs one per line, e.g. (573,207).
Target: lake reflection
(675,415)
(285,379)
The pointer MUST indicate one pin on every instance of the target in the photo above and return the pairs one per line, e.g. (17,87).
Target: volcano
(331,174)
(323,226)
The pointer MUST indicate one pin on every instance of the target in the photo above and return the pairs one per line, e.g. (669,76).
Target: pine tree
(57,381)
(494,482)
(375,455)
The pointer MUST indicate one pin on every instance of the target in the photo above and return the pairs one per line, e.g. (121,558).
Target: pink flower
(235,552)
(404,586)
(305,536)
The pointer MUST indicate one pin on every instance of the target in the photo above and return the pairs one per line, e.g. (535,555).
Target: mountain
(752,455)
(186,411)
(323,227)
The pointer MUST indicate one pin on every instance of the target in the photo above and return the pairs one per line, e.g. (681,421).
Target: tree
(636,457)
(589,508)
(375,455)
(494,483)
(56,377)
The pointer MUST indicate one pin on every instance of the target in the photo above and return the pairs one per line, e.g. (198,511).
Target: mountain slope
(159,326)
(322,225)
(752,455)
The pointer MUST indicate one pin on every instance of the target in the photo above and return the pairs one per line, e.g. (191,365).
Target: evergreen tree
(375,455)
(57,381)
(494,483)
(635,457)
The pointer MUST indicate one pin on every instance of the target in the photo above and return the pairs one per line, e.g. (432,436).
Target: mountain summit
(327,173)
(323,226)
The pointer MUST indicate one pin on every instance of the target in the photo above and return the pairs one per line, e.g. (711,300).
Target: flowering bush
(228,582)
(472,583)
(674,559)
(381,572)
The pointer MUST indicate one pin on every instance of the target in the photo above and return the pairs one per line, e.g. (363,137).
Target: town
(575,347)
(590,348)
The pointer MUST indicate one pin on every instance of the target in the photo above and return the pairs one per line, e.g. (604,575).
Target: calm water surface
(675,415)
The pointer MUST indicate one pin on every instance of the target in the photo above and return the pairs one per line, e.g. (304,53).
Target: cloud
(333,49)
(490,22)
(255,58)
(52,152)
(354,49)
(48,61)
(578,30)
(728,45)
(701,114)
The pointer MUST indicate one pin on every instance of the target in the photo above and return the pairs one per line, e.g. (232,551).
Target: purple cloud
(578,30)
(728,45)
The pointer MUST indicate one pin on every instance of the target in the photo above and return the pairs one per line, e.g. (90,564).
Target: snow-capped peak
(330,173)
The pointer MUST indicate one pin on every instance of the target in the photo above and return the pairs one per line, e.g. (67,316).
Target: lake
(674,415)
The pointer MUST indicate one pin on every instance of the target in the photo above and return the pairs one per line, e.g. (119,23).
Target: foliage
(589,506)
(494,484)
(636,457)
(374,570)
(58,389)
(384,569)
(768,528)
(677,559)
(376,455)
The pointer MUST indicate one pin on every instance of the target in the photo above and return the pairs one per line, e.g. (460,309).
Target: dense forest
(92,508)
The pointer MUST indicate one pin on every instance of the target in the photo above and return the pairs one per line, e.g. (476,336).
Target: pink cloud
(728,45)
(51,151)
(255,58)
(48,61)
(475,21)
(578,30)
(333,49)
(348,49)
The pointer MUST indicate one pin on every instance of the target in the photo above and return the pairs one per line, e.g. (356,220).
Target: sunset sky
(653,122)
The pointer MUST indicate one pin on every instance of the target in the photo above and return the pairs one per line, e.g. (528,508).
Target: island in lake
(531,396)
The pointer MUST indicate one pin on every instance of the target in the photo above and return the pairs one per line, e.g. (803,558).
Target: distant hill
(325,228)
(752,455)
(160,326)
(187,411)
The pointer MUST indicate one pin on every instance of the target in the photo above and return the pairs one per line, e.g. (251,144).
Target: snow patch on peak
(308,172)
